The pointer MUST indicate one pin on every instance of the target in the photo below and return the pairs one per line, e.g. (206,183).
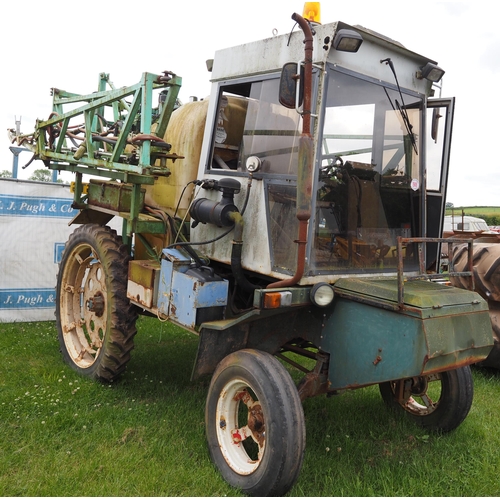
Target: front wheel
(255,423)
(438,402)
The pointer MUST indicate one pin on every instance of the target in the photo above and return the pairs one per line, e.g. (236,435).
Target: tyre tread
(285,403)
(122,314)
(453,407)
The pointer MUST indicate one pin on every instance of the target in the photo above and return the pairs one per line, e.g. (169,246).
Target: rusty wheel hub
(256,423)
(96,304)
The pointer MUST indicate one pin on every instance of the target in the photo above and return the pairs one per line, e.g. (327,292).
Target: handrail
(423,274)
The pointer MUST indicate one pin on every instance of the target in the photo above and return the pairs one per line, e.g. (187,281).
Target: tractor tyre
(438,402)
(255,424)
(94,318)
(486,263)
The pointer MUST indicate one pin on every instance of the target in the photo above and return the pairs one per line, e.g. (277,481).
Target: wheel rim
(83,305)
(241,429)
(425,394)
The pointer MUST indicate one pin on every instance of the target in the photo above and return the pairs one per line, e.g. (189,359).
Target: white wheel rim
(231,434)
(426,401)
(82,283)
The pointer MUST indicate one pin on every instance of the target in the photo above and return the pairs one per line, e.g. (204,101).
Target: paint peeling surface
(186,300)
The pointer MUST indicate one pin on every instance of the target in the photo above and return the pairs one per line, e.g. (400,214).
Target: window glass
(251,122)
(283,226)
(369,179)
(435,146)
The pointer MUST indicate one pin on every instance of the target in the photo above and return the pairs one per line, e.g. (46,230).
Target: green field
(490,214)
(144,435)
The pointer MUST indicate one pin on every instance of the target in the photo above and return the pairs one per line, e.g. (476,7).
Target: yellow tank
(185,133)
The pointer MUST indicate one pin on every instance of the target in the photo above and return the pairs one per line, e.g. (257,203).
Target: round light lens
(322,294)
(253,164)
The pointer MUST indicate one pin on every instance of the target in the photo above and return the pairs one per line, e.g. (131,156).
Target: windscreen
(368,184)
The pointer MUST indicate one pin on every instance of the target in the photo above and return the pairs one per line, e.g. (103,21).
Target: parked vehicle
(465,225)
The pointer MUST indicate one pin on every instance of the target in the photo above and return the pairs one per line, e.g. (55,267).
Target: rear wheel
(255,424)
(95,320)
(438,402)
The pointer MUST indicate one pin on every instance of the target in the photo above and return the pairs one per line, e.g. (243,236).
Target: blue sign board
(35,206)
(27,298)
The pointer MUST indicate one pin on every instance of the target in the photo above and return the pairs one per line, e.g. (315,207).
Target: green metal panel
(370,344)
(421,294)
(113,195)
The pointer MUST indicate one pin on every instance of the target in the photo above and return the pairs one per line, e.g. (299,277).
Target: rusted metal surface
(90,216)
(255,421)
(143,281)
(307,83)
(310,386)
(405,391)
(384,293)
(486,271)
(301,256)
(189,296)
(315,382)
(96,304)
(112,195)
(371,343)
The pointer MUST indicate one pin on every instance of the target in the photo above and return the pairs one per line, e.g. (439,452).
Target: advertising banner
(34,227)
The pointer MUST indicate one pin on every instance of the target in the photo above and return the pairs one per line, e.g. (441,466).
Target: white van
(464,223)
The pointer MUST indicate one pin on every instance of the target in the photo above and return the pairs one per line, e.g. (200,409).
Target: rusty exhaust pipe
(305,160)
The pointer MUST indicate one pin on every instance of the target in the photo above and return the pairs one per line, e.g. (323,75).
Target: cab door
(439,121)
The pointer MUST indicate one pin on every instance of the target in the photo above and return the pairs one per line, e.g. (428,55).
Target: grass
(63,435)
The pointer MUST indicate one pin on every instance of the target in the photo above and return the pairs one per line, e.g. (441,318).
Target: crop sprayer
(290,221)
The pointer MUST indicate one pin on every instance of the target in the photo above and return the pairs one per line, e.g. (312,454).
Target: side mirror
(288,85)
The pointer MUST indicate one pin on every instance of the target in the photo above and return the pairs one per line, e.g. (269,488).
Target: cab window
(251,122)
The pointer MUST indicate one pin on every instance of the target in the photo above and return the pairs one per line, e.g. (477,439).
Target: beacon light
(312,12)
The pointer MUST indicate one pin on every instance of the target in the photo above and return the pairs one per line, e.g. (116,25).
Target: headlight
(322,294)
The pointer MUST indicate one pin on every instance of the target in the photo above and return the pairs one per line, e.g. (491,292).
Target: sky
(54,43)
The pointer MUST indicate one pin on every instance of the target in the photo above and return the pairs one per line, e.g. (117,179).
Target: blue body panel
(180,296)
(369,344)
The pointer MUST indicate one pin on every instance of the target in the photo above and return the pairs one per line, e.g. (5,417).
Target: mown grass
(62,435)
(474,209)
